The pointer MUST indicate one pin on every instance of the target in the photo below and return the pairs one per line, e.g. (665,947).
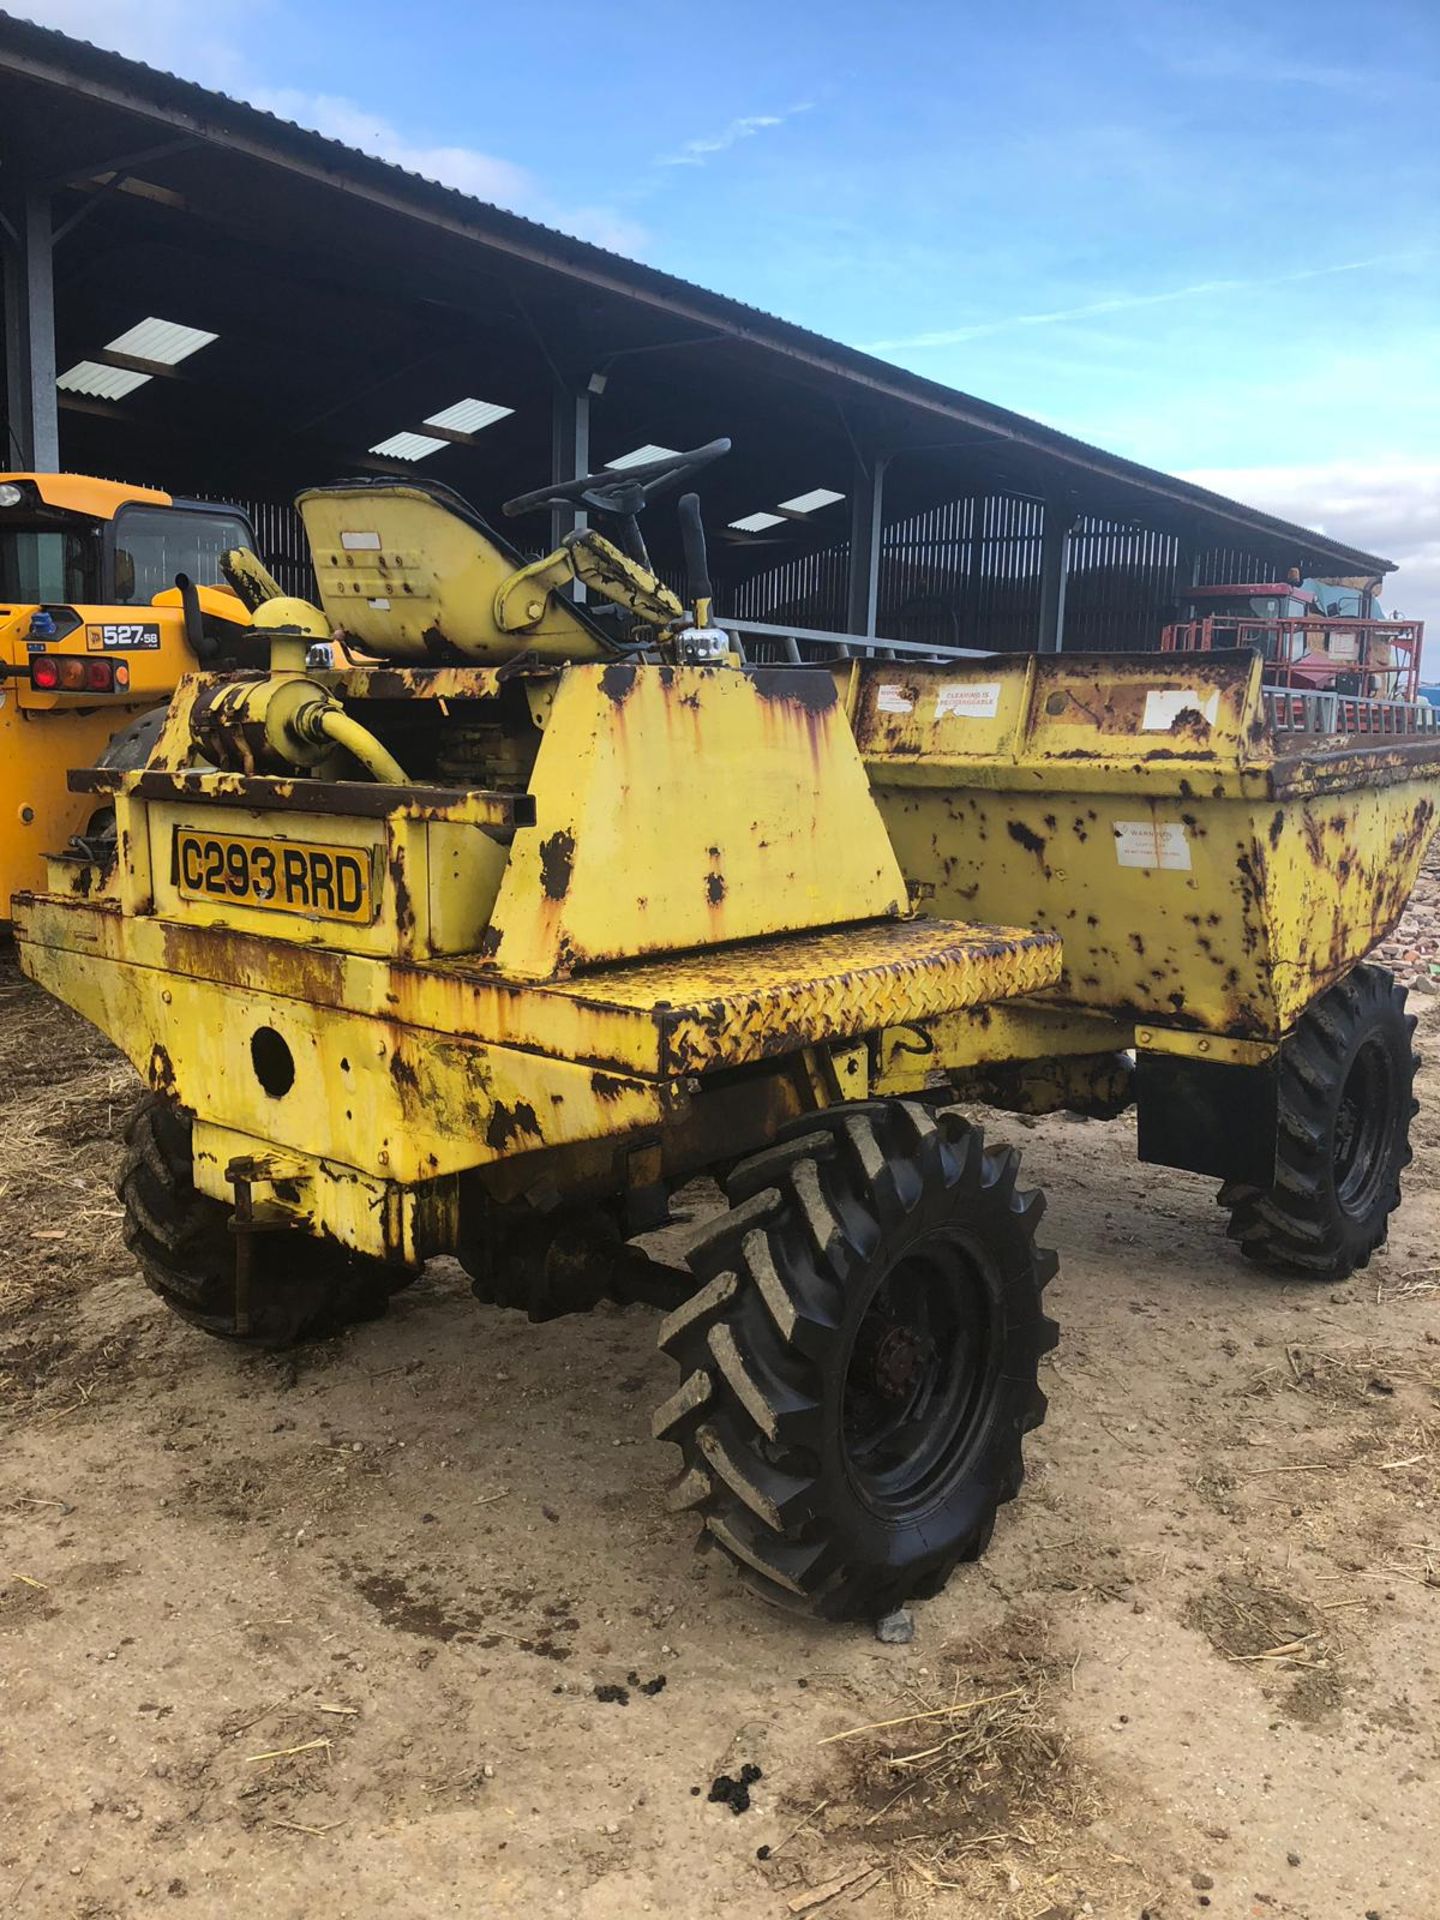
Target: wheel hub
(896,1362)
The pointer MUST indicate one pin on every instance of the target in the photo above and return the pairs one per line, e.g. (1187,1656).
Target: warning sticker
(1152,843)
(1165,705)
(968,700)
(891,697)
(360,542)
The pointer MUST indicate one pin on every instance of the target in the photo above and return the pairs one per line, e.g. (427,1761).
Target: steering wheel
(623,493)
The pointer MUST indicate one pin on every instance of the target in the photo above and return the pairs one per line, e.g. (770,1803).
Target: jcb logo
(133,635)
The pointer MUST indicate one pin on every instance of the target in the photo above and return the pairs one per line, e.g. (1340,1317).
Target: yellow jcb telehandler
(94,637)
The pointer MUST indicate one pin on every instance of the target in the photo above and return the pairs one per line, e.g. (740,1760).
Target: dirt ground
(381,1628)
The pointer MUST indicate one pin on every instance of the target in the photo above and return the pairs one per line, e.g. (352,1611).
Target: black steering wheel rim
(623,493)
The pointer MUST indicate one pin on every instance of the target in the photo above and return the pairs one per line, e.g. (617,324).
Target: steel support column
(1054,568)
(31,403)
(569,457)
(867,499)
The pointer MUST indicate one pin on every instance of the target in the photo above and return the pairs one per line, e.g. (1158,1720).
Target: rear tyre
(859,1364)
(300,1289)
(1346,1099)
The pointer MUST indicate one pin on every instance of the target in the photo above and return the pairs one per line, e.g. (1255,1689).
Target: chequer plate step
(725,1006)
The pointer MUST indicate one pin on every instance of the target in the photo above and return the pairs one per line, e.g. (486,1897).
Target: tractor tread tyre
(794,1280)
(1346,1100)
(181,1239)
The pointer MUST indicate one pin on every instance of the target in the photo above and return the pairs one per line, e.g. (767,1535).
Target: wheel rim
(1362,1128)
(916,1383)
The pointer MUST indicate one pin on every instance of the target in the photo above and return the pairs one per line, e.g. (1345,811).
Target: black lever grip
(697,562)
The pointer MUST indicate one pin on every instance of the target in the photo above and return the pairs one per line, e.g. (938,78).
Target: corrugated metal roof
(812,501)
(638,456)
(99,382)
(409,446)
(186,107)
(468,416)
(166,342)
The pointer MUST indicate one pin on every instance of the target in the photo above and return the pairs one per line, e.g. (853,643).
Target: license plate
(289,876)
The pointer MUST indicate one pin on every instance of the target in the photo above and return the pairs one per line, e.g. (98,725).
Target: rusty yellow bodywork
(1207,876)
(694,881)
(634,912)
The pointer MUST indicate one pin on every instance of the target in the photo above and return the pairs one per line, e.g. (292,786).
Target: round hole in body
(273,1062)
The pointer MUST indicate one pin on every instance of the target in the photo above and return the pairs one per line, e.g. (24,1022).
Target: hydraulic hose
(362,744)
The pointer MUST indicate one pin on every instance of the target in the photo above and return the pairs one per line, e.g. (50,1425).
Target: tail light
(75,673)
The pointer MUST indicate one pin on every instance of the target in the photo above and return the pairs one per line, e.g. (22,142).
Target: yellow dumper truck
(478,921)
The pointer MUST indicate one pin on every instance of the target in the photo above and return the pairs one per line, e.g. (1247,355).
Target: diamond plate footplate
(729,1007)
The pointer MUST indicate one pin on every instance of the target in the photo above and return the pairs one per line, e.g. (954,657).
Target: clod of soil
(652,1687)
(735,1794)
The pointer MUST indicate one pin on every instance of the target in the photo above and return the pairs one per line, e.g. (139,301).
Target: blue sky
(1204,235)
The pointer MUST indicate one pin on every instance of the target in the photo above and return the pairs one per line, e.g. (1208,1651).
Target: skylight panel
(758,522)
(99,382)
(164,341)
(811,502)
(409,446)
(638,456)
(468,416)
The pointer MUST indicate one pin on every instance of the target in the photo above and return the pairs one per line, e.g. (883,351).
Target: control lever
(702,640)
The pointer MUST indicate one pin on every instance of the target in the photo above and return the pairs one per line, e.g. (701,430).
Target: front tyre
(859,1364)
(1346,1099)
(300,1288)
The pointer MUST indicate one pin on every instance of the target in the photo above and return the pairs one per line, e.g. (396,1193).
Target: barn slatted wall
(1225,564)
(963,574)
(968,574)
(280,539)
(1120,588)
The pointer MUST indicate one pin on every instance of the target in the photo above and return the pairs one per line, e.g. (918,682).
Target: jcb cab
(94,635)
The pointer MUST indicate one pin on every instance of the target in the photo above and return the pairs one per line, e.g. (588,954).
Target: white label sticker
(1152,843)
(1164,706)
(891,697)
(382,606)
(360,542)
(967,700)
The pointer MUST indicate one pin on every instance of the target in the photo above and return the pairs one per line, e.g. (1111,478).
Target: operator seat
(409,570)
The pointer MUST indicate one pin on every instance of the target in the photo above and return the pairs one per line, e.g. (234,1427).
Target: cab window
(153,544)
(49,565)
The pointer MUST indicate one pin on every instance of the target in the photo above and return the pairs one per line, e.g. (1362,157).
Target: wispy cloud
(485,175)
(696,152)
(162,33)
(1116,303)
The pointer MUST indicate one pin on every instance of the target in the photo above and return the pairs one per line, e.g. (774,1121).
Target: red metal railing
(1376,659)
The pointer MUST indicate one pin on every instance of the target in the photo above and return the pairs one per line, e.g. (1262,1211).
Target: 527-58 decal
(143,635)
